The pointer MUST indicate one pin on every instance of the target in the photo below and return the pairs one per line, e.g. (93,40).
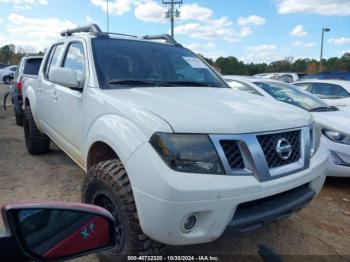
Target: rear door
(68,111)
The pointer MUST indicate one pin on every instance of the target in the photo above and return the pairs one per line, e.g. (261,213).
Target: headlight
(188,153)
(315,135)
(337,136)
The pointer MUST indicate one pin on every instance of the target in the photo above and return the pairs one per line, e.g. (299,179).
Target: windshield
(292,95)
(130,63)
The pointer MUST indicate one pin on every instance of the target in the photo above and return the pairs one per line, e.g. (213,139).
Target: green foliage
(232,66)
(11,55)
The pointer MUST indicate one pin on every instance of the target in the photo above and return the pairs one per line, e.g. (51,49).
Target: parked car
(340,75)
(54,231)
(169,149)
(284,77)
(7,73)
(335,124)
(333,92)
(3,66)
(28,68)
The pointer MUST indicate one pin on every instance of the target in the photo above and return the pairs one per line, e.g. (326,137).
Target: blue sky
(251,30)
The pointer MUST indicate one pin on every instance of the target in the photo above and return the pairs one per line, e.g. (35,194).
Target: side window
(242,87)
(75,60)
(53,59)
(343,93)
(326,91)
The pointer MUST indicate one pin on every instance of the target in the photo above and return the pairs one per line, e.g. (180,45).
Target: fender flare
(118,133)
(29,94)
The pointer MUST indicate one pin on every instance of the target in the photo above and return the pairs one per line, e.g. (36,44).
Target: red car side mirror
(59,231)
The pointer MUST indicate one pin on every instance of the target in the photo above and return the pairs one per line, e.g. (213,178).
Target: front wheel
(107,185)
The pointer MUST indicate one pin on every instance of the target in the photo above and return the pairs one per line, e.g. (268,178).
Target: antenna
(107,15)
(172,12)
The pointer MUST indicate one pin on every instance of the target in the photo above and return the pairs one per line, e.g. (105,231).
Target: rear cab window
(32,66)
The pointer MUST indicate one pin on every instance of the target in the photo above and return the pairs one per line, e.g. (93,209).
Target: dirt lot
(321,230)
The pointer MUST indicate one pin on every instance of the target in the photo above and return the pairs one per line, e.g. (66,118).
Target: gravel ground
(321,231)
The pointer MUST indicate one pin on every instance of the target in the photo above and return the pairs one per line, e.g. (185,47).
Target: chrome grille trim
(254,159)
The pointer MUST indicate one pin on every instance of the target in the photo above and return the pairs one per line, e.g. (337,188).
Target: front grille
(232,153)
(269,143)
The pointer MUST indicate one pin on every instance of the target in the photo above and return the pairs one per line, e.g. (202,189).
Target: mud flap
(5,98)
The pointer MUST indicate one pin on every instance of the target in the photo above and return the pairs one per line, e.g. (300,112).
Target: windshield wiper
(324,109)
(192,83)
(134,83)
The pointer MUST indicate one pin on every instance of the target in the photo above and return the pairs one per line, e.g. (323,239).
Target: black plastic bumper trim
(255,214)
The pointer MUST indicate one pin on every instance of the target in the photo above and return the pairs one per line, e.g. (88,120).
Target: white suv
(169,149)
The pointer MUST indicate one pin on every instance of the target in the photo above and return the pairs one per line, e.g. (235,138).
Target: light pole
(107,16)
(321,57)
(172,12)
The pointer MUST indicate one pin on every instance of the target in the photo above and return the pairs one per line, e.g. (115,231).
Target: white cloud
(261,48)
(90,20)
(116,7)
(34,32)
(261,54)
(340,41)
(251,20)
(245,31)
(247,22)
(197,48)
(24,4)
(1,20)
(150,12)
(298,31)
(320,7)
(195,12)
(211,30)
(262,57)
(302,44)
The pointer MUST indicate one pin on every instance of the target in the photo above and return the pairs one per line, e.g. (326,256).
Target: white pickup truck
(169,149)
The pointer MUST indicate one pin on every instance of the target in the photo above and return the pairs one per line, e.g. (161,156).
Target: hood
(213,110)
(335,120)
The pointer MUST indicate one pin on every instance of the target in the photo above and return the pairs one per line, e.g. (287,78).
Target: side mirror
(60,231)
(64,76)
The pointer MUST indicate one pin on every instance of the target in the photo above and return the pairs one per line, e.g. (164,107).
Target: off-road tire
(37,143)
(109,180)
(7,80)
(19,117)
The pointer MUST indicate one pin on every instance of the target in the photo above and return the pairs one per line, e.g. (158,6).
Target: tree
(10,54)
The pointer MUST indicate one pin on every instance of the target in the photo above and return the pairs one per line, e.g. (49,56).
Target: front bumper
(164,198)
(339,158)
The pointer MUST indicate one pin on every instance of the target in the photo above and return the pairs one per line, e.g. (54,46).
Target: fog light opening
(189,223)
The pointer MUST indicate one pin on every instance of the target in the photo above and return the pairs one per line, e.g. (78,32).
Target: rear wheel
(7,80)
(37,143)
(19,116)
(107,185)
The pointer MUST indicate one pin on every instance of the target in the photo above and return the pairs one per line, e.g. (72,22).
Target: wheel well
(26,102)
(100,152)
